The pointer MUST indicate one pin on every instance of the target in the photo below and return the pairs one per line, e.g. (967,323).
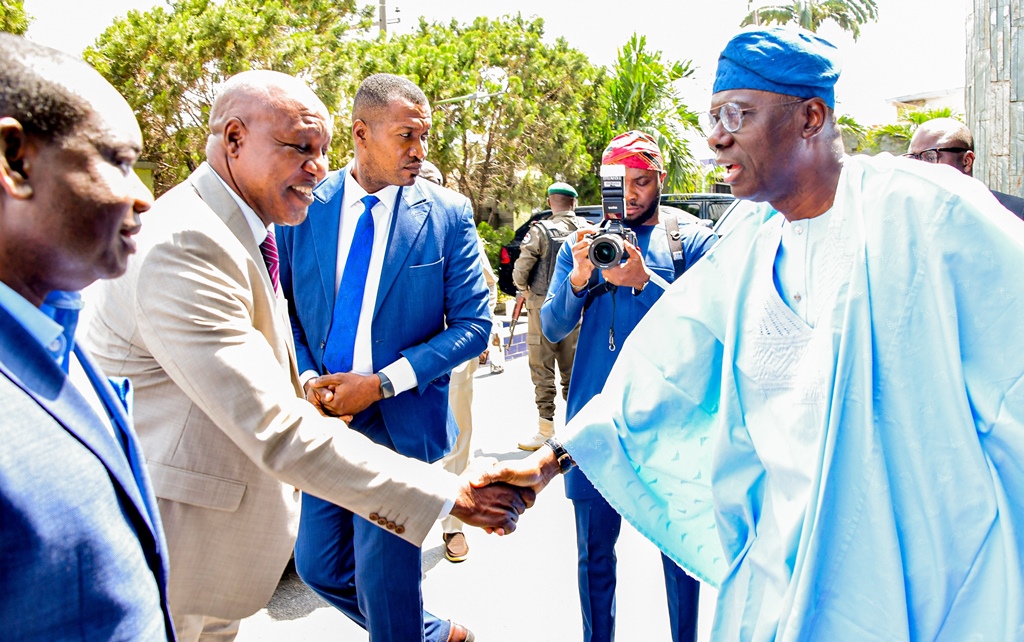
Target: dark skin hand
(534,472)
(494,507)
(343,394)
(633,273)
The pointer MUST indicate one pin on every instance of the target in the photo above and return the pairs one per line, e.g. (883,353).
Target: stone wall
(995,92)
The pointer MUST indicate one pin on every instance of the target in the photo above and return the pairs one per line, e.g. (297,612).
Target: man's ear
(360,132)
(968,163)
(234,136)
(14,168)
(815,114)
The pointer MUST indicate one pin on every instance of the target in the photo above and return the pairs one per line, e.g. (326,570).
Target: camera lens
(606,252)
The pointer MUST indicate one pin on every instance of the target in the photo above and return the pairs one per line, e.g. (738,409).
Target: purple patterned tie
(269,249)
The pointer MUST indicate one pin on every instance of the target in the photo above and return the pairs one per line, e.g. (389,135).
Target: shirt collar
(354,192)
(45,330)
(259,230)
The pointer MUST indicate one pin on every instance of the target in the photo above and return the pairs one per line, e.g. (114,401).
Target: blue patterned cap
(782,60)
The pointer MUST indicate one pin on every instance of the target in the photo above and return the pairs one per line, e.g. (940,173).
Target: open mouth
(731,171)
(306,191)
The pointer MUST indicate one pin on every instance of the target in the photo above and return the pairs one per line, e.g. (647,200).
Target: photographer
(611,302)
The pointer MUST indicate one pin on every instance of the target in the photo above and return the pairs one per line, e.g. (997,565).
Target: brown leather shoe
(459,633)
(455,547)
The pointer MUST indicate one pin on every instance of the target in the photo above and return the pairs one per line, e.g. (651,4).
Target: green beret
(562,188)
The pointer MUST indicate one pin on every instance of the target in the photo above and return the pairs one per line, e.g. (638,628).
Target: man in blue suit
(387,296)
(82,552)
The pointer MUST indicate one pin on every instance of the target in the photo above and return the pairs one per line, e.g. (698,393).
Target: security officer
(531,275)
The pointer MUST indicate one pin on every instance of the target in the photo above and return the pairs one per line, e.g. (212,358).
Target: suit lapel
(411,210)
(214,194)
(118,415)
(325,220)
(28,365)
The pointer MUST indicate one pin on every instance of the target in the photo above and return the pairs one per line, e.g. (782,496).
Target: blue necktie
(341,340)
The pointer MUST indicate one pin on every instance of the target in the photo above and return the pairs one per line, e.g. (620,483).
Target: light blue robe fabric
(915,526)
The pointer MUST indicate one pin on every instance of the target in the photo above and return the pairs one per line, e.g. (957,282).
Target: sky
(916,46)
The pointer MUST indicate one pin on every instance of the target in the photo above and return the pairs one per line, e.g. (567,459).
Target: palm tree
(641,95)
(809,14)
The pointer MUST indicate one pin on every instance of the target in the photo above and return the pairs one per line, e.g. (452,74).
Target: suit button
(374,517)
(382,521)
(323,344)
(391,526)
(399,530)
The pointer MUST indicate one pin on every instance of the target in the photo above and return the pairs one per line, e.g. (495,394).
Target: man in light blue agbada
(825,417)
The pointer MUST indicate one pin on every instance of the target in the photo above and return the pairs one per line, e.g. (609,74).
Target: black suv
(708,207)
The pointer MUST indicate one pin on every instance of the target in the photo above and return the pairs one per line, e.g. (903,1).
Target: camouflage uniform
(542,353)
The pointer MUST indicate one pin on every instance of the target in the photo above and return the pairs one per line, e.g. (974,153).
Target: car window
(716,210)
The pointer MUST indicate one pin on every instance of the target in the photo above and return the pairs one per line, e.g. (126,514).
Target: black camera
(607,248)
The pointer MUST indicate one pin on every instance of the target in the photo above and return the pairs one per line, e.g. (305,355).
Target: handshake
(492,494)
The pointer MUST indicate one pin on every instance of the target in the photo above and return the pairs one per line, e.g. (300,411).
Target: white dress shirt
(800,246)
(400,373)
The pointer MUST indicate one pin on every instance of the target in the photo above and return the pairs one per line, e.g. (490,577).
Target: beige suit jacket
(206,341)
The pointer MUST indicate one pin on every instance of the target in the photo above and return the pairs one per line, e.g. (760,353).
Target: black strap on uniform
(675,244)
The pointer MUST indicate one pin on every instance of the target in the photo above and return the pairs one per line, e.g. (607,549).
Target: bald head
(255,95)
(946,134)
(269,137)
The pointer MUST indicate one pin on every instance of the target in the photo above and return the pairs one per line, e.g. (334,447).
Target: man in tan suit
(199,326)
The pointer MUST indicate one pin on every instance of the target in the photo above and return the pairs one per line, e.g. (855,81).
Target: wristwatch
(565,462)
(387,390)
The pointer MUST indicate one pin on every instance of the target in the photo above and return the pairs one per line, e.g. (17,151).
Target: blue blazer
(82,551)
(431,305)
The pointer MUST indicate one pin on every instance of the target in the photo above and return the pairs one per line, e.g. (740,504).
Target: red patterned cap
(634,149)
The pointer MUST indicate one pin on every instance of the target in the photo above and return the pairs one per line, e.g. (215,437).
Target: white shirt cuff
(402,377)
(306,376)
(446,509)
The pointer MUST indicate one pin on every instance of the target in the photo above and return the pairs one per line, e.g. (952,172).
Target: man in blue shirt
(82,551)
(611,302)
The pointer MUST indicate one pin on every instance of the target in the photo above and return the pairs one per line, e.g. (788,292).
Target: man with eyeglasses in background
(949,142)
(825,415)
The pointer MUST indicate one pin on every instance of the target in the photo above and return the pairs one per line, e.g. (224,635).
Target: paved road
(514,588)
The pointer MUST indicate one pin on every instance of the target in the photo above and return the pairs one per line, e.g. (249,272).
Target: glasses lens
(930,156)
(732,117)
(707,122)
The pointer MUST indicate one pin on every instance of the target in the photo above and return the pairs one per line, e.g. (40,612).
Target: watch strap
(565,461)
(387,389)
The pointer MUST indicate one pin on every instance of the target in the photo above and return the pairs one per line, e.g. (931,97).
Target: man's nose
(140,194)
(719,137)
(418,149)
(317,166)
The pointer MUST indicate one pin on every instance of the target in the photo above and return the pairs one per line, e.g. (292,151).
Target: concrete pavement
(518,587)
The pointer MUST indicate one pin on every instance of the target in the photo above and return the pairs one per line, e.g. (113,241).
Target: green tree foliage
(895,137)
(809,14)
(13,18)
(854,134)
(642,95)
(167,63)
(501,151)
(494,240)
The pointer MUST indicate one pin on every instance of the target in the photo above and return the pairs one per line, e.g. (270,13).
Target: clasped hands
(343,394)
